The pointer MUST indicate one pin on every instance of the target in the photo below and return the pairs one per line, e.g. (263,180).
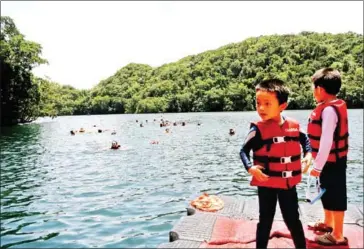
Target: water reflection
(21,175)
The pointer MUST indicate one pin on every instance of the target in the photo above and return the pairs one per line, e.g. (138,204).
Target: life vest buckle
(286,174)
(286,159)
(277,140)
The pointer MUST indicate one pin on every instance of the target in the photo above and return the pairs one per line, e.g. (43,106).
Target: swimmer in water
(115,145)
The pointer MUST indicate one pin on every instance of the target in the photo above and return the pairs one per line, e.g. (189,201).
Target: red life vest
(340,145)
(280,154)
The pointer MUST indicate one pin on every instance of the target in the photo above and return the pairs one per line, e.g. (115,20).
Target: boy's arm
(250,143)
(306,147)
(305,142)
(329,122)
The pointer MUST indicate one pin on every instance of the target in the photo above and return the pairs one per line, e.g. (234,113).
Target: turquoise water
(59,190)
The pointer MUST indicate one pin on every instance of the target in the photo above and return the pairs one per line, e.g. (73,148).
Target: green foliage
(216,80)
(19,93)
(224,79)
(56,99)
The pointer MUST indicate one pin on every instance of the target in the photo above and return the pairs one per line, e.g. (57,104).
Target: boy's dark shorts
(333,178)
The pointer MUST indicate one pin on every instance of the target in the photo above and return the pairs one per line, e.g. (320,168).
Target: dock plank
(196,227)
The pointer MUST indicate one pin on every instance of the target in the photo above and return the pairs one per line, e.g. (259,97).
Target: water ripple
(68,191)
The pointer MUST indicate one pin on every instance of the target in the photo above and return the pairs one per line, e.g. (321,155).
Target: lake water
(59,190)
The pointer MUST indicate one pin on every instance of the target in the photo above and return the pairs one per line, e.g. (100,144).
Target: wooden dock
(235,225)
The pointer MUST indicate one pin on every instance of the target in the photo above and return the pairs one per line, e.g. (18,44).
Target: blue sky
(86,42)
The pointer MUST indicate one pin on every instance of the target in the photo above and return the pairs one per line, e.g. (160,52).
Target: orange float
(207,203)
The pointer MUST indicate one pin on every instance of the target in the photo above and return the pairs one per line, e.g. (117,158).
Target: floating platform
(234,226)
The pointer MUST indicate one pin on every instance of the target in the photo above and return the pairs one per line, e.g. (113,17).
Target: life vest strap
(283,174)
(319,122)
(345,136)
(283,139)
(283,160)
(338,150)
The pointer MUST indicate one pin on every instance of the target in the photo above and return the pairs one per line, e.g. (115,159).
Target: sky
(86,42)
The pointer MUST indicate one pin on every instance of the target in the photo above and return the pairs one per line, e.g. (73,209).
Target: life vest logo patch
(291,129)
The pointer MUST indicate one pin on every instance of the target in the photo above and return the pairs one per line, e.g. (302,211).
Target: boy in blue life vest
(276,142)
(328,133)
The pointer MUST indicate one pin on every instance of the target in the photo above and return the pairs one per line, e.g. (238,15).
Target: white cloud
(86,42)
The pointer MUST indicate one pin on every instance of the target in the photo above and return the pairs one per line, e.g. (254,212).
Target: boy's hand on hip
(306,162)
(257,173)
(315,173)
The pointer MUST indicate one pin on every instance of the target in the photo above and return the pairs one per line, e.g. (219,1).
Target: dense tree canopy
(215,80)
(224,79)
(19,93)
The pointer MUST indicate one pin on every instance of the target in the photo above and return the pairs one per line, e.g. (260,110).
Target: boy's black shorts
(333,178)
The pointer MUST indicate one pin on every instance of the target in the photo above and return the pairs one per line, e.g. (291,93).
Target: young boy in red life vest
(276,142)
(328,133)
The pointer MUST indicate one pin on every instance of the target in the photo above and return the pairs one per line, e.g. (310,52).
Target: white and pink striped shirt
(329,122)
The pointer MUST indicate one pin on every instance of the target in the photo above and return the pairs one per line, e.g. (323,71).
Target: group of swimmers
(82,130)
(163,123)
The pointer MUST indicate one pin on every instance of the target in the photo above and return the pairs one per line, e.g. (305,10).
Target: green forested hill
(224,79)
(217,80)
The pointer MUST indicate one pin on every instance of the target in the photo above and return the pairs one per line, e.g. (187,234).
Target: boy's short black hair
(329,79)
(277,86)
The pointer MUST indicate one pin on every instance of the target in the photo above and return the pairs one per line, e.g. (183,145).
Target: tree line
(215,80)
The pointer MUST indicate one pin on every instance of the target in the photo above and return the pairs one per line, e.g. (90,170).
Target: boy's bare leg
(338,218)
(329,218)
